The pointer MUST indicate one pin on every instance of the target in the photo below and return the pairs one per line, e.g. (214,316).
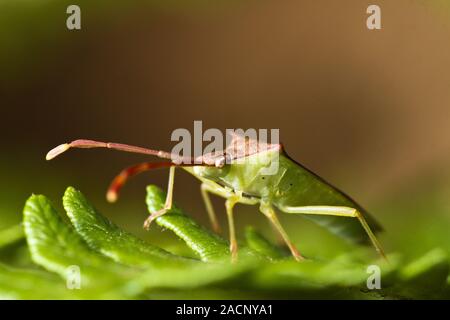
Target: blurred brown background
(368,110)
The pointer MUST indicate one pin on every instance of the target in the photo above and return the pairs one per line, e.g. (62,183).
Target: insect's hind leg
(269,212)
(209,208)
(341,212)
(167,204)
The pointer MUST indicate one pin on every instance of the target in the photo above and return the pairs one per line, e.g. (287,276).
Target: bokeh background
(367,110)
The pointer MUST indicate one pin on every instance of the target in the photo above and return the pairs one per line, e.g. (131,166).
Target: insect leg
(231,199)
(268,211)
(220,191)
(229,204)
(341,212)
(209,208)
(168,203)
(120,180)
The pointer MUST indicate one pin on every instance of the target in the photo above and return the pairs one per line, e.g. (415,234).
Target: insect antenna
(119,181)
(81,143)
(124,175)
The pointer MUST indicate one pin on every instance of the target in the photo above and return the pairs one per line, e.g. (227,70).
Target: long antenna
(120,180)
(82,143)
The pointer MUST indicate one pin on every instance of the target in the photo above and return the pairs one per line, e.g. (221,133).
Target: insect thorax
(255,175)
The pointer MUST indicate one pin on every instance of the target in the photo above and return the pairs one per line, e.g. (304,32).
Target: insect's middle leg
(229,204)
(209,208)
(167,204)
(269,212)
(231,199)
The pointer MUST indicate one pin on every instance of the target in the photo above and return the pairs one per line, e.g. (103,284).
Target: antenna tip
(57,151)
(111,196)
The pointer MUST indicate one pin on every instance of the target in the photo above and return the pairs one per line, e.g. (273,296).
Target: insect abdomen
(301,187)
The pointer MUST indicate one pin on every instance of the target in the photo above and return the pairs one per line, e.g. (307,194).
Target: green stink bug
(239,174)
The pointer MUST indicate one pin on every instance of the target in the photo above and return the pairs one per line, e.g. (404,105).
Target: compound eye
(222,160)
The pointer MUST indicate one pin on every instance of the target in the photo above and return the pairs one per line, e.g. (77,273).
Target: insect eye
(222,160)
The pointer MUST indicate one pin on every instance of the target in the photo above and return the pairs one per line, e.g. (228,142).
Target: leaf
(11,235)
(429,272)
(260,244)
(169,270)
(431,267)
(105,237)
(207,245)
(57,247)
(32,284)
(116,264)
(310,275)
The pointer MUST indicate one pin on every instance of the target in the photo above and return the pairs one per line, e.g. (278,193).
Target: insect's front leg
(167,204)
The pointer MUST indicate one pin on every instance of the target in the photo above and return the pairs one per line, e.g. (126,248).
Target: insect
(238,174)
